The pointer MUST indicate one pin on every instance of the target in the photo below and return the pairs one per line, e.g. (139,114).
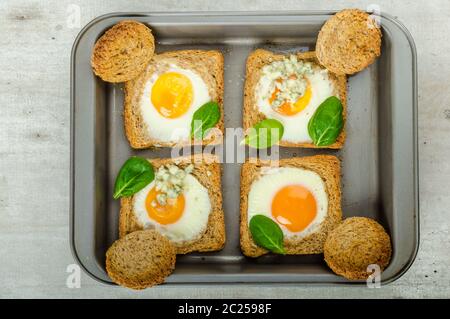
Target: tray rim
(415,161)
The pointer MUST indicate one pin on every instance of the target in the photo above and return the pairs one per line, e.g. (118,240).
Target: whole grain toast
(207,63)
(123,52)
(348,42)
(328,168)
(354,245)
(141,259)
(208,172)
(255,62)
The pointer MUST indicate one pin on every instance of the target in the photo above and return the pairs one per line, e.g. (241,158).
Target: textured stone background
(34,149)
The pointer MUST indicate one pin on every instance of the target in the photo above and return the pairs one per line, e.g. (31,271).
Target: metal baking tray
(379,160)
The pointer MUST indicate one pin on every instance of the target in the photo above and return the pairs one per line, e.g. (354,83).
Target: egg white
(192,222)
(263,190)
(296,126)
(177,129)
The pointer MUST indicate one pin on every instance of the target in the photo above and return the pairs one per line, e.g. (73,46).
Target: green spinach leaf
(267,234)
(205,118)
(135,174)
(327,122)
(264,134)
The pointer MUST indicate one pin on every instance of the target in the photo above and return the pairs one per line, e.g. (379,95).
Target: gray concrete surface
(35,47)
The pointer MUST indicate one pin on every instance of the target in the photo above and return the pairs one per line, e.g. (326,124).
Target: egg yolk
(294,207)
(288,108)
(164,214)
(172,94)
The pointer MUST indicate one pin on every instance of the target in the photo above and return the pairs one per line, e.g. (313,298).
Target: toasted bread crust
(348,42)
(328,168)
(123,52)
(354,245)
(259,58)
(213,238)
(140,260)
(208,64)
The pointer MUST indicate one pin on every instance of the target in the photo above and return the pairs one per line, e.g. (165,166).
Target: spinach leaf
(204,118)
(326,124)
(267,234)
(264,134)
(135,174)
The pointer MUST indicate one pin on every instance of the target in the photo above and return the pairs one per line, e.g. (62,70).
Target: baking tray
(379,160)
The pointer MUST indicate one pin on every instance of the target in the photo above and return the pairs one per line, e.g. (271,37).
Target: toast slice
(255,62)
(123,52)
(358,45)
(141,259)
(208,64)
(354,245)
(208,172)
(328,168)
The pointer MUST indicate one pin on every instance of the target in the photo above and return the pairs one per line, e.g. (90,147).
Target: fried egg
(181,219)
(294,115)
(169,100)
(294,198)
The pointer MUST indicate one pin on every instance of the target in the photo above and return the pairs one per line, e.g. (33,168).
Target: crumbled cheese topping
(169,182)
(288,79)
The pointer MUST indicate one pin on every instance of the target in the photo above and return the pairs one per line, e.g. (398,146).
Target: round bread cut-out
(141,259)
(354,245)
(348,42)
(123,52)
